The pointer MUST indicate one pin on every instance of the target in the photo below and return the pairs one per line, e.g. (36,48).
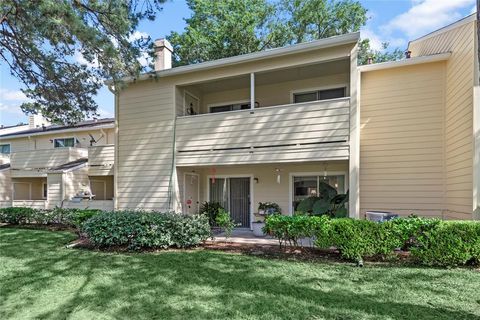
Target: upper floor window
(5,148)
(230,107)
(64,142)
(325,94)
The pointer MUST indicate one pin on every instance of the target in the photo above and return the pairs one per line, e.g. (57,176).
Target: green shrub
(16,215)
(137,229)
(449,243)
(225,222)
(66,217)
(289,229)
(210,209)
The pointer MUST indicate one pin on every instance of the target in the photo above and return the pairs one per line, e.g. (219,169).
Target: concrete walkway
(245,236)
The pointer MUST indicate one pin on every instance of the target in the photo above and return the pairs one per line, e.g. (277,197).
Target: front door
(234,195)
(191,201)
(240,201)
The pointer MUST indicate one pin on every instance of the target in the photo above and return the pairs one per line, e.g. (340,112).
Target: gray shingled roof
(55,127)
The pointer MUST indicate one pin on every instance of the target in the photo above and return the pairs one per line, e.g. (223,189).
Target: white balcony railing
(311,131)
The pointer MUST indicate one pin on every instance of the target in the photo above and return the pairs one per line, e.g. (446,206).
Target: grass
(41,279)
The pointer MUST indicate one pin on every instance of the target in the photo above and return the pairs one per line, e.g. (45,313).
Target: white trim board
(405,62)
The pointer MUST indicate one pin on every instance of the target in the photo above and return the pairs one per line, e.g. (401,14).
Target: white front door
(191,190)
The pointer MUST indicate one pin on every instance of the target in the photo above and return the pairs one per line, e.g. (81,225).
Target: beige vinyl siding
(75,181)
(276,134)
(38,159)
(458,113)
(402,139)
(5,188)
(55,189)
(145,145)
(41,142)
(101,160)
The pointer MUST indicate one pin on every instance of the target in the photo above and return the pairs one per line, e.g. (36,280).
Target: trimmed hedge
(68,217)
(138,229)
(431,241)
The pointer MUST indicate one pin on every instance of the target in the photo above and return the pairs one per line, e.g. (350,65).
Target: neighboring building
(48,165)
(274,125)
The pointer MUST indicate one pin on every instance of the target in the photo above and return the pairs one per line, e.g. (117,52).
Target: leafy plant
(211,209)
(225,222)
(16,215)
(138,229)
(269,206)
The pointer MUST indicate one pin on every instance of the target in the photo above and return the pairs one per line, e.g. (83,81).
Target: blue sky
(393,21)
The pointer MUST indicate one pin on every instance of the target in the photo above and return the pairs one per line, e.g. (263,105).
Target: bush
(306,205)
(289,229)
(210,209)
(450,243)
(67,217)
(16,215)
(225,222)
(146,229)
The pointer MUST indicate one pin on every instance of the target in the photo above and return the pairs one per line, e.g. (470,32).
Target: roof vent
(408,54)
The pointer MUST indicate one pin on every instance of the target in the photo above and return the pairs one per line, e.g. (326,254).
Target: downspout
(112,89)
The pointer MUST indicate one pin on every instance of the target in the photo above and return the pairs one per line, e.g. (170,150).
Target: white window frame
(75,141)
(185,92)
(10,147)
(225,176)
(220,104)
(315,89)
(312,174)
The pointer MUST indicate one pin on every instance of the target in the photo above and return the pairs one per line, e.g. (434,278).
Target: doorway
(191,196)
(233,193)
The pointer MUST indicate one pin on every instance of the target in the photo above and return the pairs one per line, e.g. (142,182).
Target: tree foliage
(43,42)
(225,28)
(365,52)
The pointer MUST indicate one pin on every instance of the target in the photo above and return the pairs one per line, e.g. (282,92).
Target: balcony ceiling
(276,76)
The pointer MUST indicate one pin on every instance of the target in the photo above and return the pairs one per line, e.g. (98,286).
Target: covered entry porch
(240,188)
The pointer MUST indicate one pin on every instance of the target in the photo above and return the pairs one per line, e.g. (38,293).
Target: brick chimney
(163,54)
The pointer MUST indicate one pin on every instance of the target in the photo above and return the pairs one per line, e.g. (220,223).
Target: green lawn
(39,278)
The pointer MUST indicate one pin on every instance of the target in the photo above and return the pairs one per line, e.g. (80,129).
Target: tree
(317,19)
(225,28)
(43,41)
(365,52)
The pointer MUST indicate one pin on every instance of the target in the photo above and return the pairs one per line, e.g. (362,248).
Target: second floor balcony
(44,159)
(100,160)
(311,131)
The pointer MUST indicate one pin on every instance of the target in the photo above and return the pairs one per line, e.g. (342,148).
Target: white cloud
(138,35)
(78,56)
(427,15)
(104,113)
(375,41)
(12,95)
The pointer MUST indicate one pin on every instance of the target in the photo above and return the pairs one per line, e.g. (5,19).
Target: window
(230,107)
(312,186)
(45,190)
(65,142)
(5,148)
(320,95)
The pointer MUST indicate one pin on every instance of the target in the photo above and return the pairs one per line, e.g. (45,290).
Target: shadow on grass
(42,279)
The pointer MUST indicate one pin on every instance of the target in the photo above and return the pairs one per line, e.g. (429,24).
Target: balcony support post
(252,91)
